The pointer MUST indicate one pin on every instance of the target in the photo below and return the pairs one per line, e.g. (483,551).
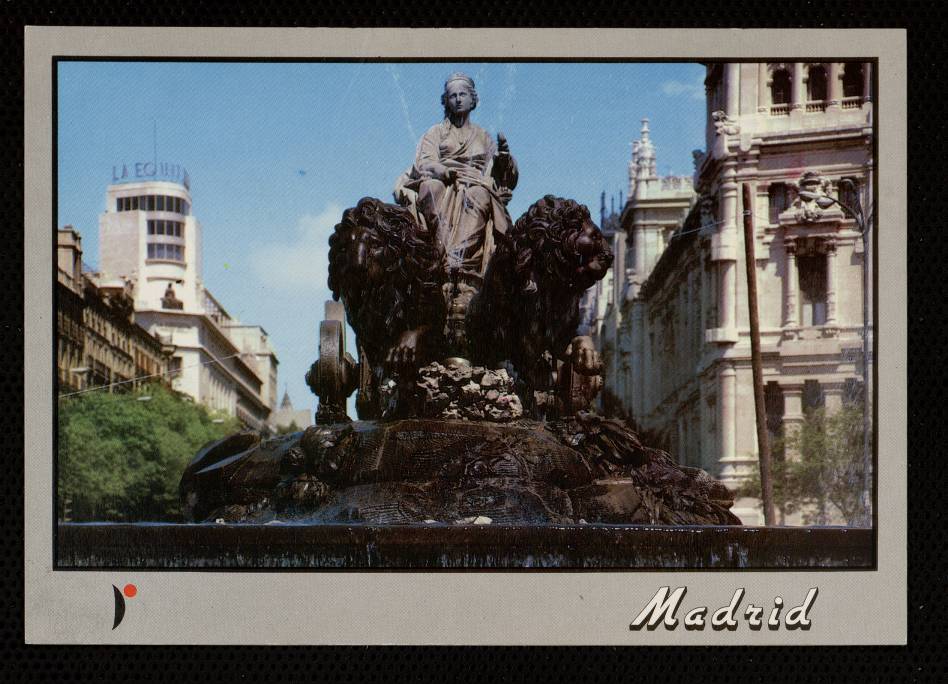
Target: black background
(923,659)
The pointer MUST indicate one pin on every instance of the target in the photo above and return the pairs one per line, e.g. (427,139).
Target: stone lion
(388,271)
(527,312)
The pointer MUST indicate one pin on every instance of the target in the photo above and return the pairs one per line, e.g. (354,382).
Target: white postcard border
(471,607)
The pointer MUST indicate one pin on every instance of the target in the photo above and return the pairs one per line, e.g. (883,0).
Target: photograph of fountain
(500,314)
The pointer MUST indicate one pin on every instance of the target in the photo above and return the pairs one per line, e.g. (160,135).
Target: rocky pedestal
(433,470)
(455,392)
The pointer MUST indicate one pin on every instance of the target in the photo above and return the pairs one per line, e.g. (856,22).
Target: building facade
(99,342)
(287,416)
(655,208)
(150,238)
(679,321)
(594,304)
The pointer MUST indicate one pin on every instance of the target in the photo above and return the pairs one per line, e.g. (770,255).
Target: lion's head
(385,269)
(556,242)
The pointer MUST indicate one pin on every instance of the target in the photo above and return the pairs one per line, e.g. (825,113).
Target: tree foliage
(121,456)
(824,478)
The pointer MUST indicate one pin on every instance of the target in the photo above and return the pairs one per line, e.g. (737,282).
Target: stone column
(728,259)
(835,90)
(647,357)
(727,409)
(728,270)
(832,396)
(706,446)
(790,286)
(703,291)
(732,85)
(830,282)
(638,242)
(639,378)
(763,97)
(867,82)
(797,93)
(618,271)
(792,415)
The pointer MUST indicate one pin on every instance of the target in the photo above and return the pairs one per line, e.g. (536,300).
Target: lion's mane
(396,286)
(529,304)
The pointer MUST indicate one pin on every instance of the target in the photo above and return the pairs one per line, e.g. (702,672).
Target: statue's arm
(504,169)
(428,161)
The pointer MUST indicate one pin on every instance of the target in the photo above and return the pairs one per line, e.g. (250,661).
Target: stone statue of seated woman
(458,188)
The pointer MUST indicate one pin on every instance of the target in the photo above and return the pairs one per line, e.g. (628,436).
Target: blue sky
(276,151)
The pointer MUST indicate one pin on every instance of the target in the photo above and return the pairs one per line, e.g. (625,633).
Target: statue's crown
(459,76)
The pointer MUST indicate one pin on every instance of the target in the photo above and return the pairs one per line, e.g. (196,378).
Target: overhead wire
(174,371)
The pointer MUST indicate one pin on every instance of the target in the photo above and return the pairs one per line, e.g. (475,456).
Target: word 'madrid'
(663,609)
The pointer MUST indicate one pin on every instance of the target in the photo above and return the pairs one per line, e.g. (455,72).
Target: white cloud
(301,265)
(510,91)
(396,76)
(693,90)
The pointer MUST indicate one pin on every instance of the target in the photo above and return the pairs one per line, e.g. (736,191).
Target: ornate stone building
(677,333)
(150,238)
(99,342)
(655,208)
(595,303)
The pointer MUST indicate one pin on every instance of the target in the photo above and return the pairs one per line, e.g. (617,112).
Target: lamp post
(825,201)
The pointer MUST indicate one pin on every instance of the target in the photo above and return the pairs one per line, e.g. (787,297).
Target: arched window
(780,88)
(774,410)
(849,192)
(852,80)
(813,397)
(779,200)
(812,275)
(816,84)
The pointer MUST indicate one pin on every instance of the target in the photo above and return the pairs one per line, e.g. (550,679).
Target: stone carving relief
(724,124)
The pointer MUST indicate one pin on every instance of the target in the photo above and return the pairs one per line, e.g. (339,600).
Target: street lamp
(824,201)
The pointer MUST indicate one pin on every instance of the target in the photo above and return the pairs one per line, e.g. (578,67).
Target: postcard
(430,336)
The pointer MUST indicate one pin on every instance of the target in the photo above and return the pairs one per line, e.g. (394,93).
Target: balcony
(780,109)
(851,102)
(815,106)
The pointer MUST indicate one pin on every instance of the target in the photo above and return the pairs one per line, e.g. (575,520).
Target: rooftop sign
(132,172)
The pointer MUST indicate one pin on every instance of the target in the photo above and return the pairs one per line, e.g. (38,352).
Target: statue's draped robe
(467,227)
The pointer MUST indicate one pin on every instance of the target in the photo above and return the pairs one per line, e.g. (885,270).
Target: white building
(149,237)
(655,208)
(677,332)
(594,304)
(287,416)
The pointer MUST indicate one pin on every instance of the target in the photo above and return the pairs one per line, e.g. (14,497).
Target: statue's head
(557,240)
(458,81)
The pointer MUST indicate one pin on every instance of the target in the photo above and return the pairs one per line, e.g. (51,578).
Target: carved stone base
(420,471)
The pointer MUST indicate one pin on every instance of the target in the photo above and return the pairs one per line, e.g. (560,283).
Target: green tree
(121,456)
(827,475)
